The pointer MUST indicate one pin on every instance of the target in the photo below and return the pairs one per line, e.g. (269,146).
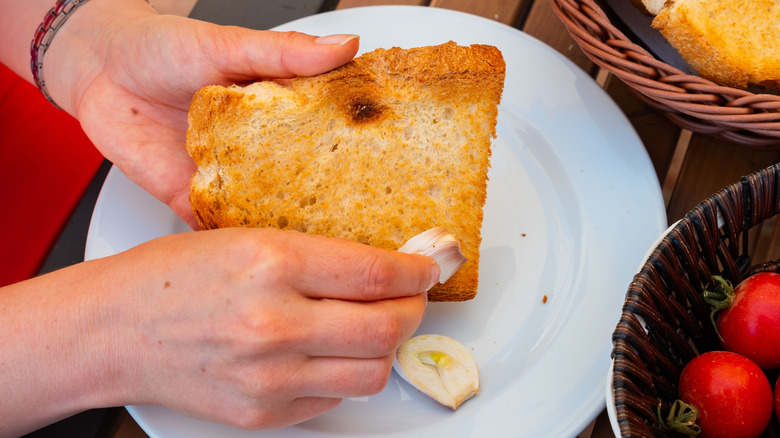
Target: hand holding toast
(137,72)
(262,328)
(251,328)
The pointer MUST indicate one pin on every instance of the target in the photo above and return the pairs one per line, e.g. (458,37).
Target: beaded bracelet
(55,18)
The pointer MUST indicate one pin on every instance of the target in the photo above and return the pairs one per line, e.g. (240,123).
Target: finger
(336,377)
(257,416)
(360,329)
(344,378)
(292,377)
(341,269)
(306,408)
(247,54)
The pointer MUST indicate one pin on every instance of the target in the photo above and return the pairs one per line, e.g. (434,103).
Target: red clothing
(46,164)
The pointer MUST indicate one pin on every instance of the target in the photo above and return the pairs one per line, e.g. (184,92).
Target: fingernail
(435,274)
(336,40)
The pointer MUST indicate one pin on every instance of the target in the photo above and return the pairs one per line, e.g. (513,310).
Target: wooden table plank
(504,11)
(710,165)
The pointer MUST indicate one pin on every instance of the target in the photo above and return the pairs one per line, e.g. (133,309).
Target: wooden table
(690,167)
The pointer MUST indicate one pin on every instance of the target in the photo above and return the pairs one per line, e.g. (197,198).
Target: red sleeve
(46,164)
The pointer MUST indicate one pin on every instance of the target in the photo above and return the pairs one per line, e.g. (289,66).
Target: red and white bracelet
(55,18)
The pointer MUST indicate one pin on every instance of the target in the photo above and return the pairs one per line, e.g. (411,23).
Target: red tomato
(731,393)
(777,398)
(751,325)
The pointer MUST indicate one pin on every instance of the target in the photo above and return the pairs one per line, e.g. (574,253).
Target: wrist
(63,325)
(77,51)
(54,19)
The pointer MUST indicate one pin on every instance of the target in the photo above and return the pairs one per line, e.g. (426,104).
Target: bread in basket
(692,102)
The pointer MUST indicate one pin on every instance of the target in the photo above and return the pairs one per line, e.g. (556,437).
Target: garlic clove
(440,367)
(442,246)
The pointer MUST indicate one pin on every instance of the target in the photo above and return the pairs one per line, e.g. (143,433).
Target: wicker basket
(689,101)
(665,322)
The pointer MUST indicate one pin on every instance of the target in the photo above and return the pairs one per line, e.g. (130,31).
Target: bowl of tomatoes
(696,351)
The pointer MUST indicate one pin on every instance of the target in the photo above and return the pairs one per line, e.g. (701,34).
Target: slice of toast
(731,42)
(377,151)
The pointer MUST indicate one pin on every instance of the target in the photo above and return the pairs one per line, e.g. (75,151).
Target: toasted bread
(377,151)
(731,42)
(652,7)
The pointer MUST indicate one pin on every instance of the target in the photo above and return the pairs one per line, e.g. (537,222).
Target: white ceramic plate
(573,204)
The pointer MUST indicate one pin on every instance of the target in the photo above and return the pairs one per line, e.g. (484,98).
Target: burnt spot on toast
(364,110)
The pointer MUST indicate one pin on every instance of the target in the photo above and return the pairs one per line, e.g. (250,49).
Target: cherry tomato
(777,398)
(750,326)
(731,393)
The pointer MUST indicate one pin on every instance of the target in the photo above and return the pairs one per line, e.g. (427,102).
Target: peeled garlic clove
(442,246)
(440,367)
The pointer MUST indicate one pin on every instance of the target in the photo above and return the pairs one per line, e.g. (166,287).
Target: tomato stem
(721,298)
(681,419)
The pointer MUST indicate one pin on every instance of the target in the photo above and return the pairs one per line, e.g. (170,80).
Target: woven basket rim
(665,322)
(690,101)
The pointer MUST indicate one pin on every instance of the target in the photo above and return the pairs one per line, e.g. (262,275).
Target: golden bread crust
(731,42)
(389,145)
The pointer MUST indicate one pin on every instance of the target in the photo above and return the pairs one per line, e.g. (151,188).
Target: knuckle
(262,386)
(261,383)
(265,330)
(378,277)
(260,260)
(288,37)
(248,414)
(251,419)
(259,417)
(269,260)
(255,331)
(388,331)
(285,40)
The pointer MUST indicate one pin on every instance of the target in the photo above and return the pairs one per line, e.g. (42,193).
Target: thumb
(248,54)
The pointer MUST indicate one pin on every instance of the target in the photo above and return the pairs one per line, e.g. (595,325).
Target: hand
(264,328)
(132,98)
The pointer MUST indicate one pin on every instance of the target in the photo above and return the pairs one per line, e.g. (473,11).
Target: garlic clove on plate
(440,367)
(442,246)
